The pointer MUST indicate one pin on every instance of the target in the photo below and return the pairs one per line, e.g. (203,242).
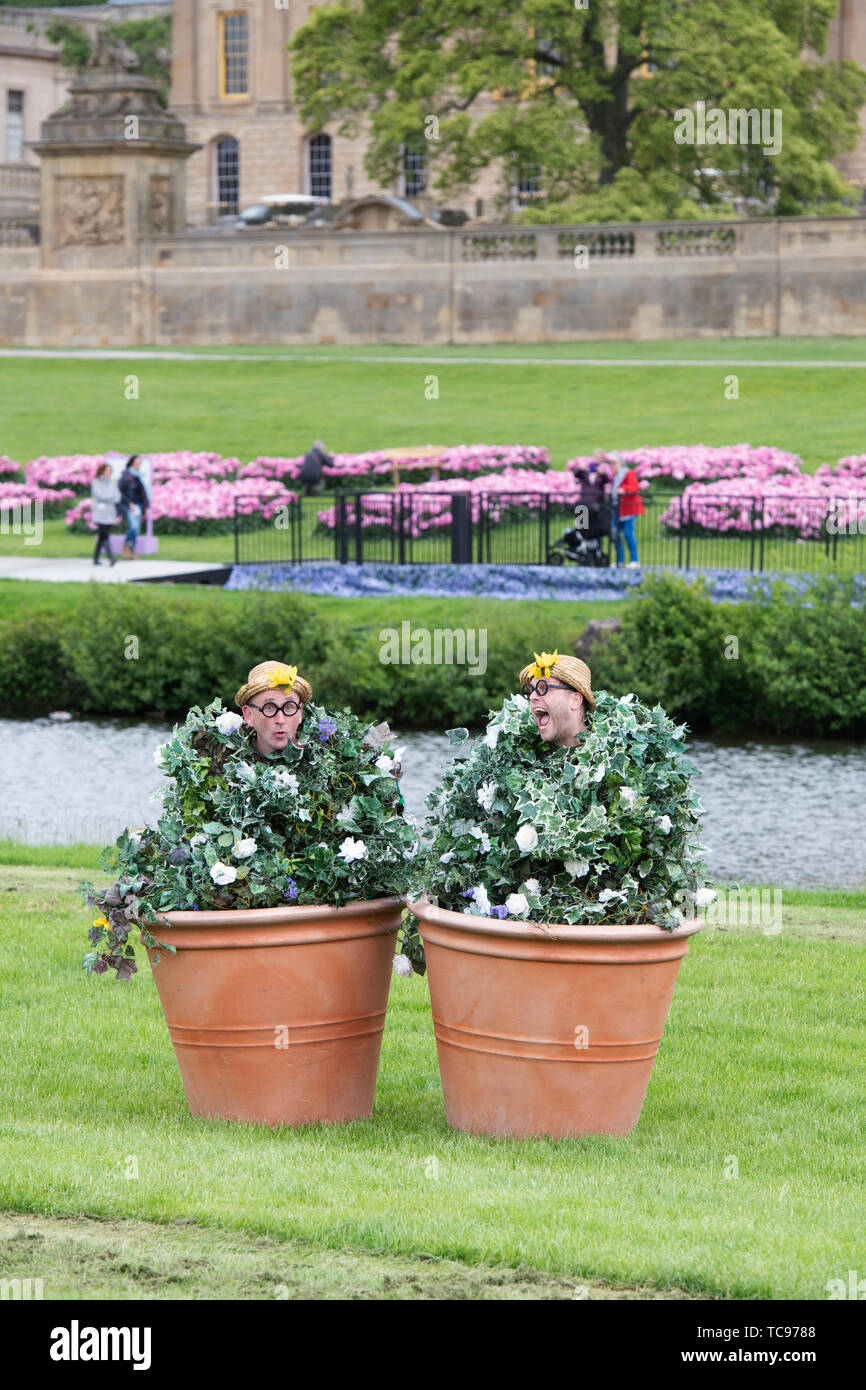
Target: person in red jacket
(627,506)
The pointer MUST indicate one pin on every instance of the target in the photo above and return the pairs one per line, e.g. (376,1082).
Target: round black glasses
(269,708)
(541,687)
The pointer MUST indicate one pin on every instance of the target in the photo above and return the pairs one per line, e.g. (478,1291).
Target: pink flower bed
(8,466)
(191,505)
(53,500)
(701,463)
(800,504)
(429,506)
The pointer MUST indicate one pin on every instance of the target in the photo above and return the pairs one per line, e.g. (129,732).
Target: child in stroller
(588,541)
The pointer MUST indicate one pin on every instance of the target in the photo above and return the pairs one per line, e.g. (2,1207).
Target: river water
(781,813)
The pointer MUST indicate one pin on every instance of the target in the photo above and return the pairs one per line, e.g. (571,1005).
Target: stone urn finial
(110,52)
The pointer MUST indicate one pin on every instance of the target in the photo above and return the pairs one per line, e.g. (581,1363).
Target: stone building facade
(232,88)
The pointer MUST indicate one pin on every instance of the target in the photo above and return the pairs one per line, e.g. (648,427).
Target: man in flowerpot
(559,690)
(272,702)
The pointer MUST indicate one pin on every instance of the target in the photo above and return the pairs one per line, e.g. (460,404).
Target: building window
(234,55)
(320,166)
(228,175)
(14,126)
(414,170)
(527,184)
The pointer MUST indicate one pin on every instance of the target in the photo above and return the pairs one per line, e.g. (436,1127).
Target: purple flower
(500,912)
(468,893)
(327,728)
(291,891)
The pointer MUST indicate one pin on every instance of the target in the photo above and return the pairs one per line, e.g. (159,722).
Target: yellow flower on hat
(543,665)
(283,675)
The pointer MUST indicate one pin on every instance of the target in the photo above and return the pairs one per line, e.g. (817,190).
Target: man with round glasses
(272,702)
(560,695)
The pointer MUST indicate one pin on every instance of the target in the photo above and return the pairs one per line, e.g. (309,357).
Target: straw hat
(273,675)
(568,669)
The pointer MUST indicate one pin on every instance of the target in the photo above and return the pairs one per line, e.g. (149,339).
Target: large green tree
(588,96)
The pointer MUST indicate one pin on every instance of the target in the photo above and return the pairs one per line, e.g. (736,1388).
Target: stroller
(587,544)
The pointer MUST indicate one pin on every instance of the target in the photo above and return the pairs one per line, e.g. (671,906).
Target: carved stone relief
(90,210)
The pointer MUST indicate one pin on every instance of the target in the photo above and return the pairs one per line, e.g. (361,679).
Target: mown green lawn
(251,407)
(743,1178)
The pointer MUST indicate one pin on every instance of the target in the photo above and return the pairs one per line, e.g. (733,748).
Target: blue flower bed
(497,581)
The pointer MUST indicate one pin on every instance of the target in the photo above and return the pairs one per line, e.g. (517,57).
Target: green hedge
(192,646)
(784,666)
(790,665)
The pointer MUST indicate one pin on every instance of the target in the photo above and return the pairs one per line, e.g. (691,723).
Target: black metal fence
(508,528)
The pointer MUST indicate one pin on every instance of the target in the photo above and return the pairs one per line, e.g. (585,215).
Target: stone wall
(497,284)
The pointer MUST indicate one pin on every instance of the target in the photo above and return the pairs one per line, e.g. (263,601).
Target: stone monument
(112,166)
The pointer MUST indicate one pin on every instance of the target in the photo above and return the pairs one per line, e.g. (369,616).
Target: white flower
(607,894)
(532,886)
(481,900)
(527,838)
(447,857)
(223,873)
(626,699)
(664,824)
(228,722)
(344,814)
(485,842)
(629,795)
(599,772)
(198,839)
(352,849)
(705,896)
(516,903)
(577,867)
(492,735)
(384,763)
(486,795)
(244,849)
(286,781)
(403,966)
(398,754)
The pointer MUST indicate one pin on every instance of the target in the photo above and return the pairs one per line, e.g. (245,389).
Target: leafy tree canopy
(590,97)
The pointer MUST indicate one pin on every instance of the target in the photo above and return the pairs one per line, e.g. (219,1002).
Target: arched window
(320,166)
(228,175)
(414,169)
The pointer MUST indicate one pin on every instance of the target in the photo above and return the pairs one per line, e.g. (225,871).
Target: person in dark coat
(133,504)
(311,469)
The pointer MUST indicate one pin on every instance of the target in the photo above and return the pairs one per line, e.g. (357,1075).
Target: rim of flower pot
(555,931)
(261,916)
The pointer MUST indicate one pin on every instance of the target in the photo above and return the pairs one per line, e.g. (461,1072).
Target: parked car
(280,210)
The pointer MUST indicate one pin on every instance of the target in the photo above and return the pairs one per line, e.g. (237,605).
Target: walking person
(103,510)
(627,506)
(133,502)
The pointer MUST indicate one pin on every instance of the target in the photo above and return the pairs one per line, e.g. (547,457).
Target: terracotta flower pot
(547,1030)
(276,1014)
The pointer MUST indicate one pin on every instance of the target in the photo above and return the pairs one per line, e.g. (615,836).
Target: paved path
(135,355)
(81,570)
